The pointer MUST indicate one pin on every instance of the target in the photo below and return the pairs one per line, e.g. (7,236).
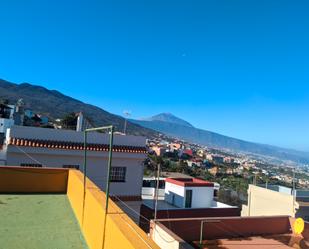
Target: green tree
(69,121)
(4,101)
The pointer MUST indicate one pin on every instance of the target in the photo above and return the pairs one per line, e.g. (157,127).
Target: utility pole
(157,192)
(266,184)
(293,180)
(127,114)
(254,179)
(294,191)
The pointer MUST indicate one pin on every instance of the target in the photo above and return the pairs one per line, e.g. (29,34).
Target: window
(118,174)
(162,184)
(188,201)
(147,184)
(70,166)
(153,184)
(31,165)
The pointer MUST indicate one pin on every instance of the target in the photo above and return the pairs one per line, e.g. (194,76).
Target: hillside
(208,138)
(56,105)
(170,118)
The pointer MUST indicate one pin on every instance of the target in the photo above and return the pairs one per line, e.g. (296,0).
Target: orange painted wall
(33,180)
(112,231)
(116,230)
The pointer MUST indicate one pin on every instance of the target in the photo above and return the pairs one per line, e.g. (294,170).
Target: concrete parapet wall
(113,230)
(33,180)
(229,227)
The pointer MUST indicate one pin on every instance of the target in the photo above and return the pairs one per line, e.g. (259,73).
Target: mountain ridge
(168,117)
(213,139)
(55,104)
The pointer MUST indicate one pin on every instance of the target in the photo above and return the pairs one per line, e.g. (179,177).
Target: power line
(130,208)
(32,158)
(120,215)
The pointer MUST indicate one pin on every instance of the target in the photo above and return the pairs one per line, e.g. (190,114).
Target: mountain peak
(169,118)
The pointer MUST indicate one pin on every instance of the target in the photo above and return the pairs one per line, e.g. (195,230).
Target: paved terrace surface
(283,241)
(38,221)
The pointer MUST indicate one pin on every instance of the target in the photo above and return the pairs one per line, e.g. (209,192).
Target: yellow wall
(33,180)
(120,231)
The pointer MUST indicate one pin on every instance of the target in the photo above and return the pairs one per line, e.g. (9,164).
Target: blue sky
(237,67)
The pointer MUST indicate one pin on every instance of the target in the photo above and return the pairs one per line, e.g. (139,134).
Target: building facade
(185,198)
(40,147)
(276,200)
(187,192)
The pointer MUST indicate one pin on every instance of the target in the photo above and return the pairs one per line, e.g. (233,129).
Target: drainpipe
(249,202)
(157,193)
(294,193)
(79,125)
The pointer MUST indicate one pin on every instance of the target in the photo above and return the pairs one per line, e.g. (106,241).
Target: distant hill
(169,118)
(56,105)
(183,130)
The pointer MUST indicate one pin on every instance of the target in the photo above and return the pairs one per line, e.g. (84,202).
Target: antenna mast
(127,114)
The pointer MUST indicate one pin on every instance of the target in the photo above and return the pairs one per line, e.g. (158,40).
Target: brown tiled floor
(283,241)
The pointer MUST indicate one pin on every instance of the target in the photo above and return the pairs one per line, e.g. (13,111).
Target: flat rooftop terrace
(55,208)
(280,241)
(260,232)
(30,221)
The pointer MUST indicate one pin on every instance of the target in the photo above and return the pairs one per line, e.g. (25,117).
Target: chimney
(80,120)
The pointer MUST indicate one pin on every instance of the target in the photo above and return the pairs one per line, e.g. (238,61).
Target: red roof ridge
(190,182)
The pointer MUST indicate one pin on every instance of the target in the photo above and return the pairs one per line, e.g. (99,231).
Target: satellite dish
(299,225)
(127,113)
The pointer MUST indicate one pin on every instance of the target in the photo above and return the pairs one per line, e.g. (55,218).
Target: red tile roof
(73,146)
(188,152)
(189,182)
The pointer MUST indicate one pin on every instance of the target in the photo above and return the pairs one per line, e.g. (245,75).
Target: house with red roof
(40,147)
(189,192)
(185,198)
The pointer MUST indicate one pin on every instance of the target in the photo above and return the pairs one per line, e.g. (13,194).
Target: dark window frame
(118,174)
(34,165)
(188,199)
(70,166)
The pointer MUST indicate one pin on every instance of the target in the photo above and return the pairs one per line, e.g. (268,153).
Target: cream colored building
(276,200)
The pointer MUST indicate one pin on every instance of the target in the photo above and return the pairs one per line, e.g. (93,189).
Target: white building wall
(285,190)
(164,240)
(96,165)
(174,194)
(96,160)
(167,240)
(150,193)
(266,202)
(5,124)
(179,190)
(202,197)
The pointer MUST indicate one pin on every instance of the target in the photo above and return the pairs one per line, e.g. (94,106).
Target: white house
(189,192)
(149,188)
(5,123)
(41,147)
(6,117)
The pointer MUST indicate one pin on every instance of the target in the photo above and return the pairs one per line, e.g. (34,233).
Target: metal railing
(109,128)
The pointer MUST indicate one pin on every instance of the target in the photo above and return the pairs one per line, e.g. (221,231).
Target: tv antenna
(127,114)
